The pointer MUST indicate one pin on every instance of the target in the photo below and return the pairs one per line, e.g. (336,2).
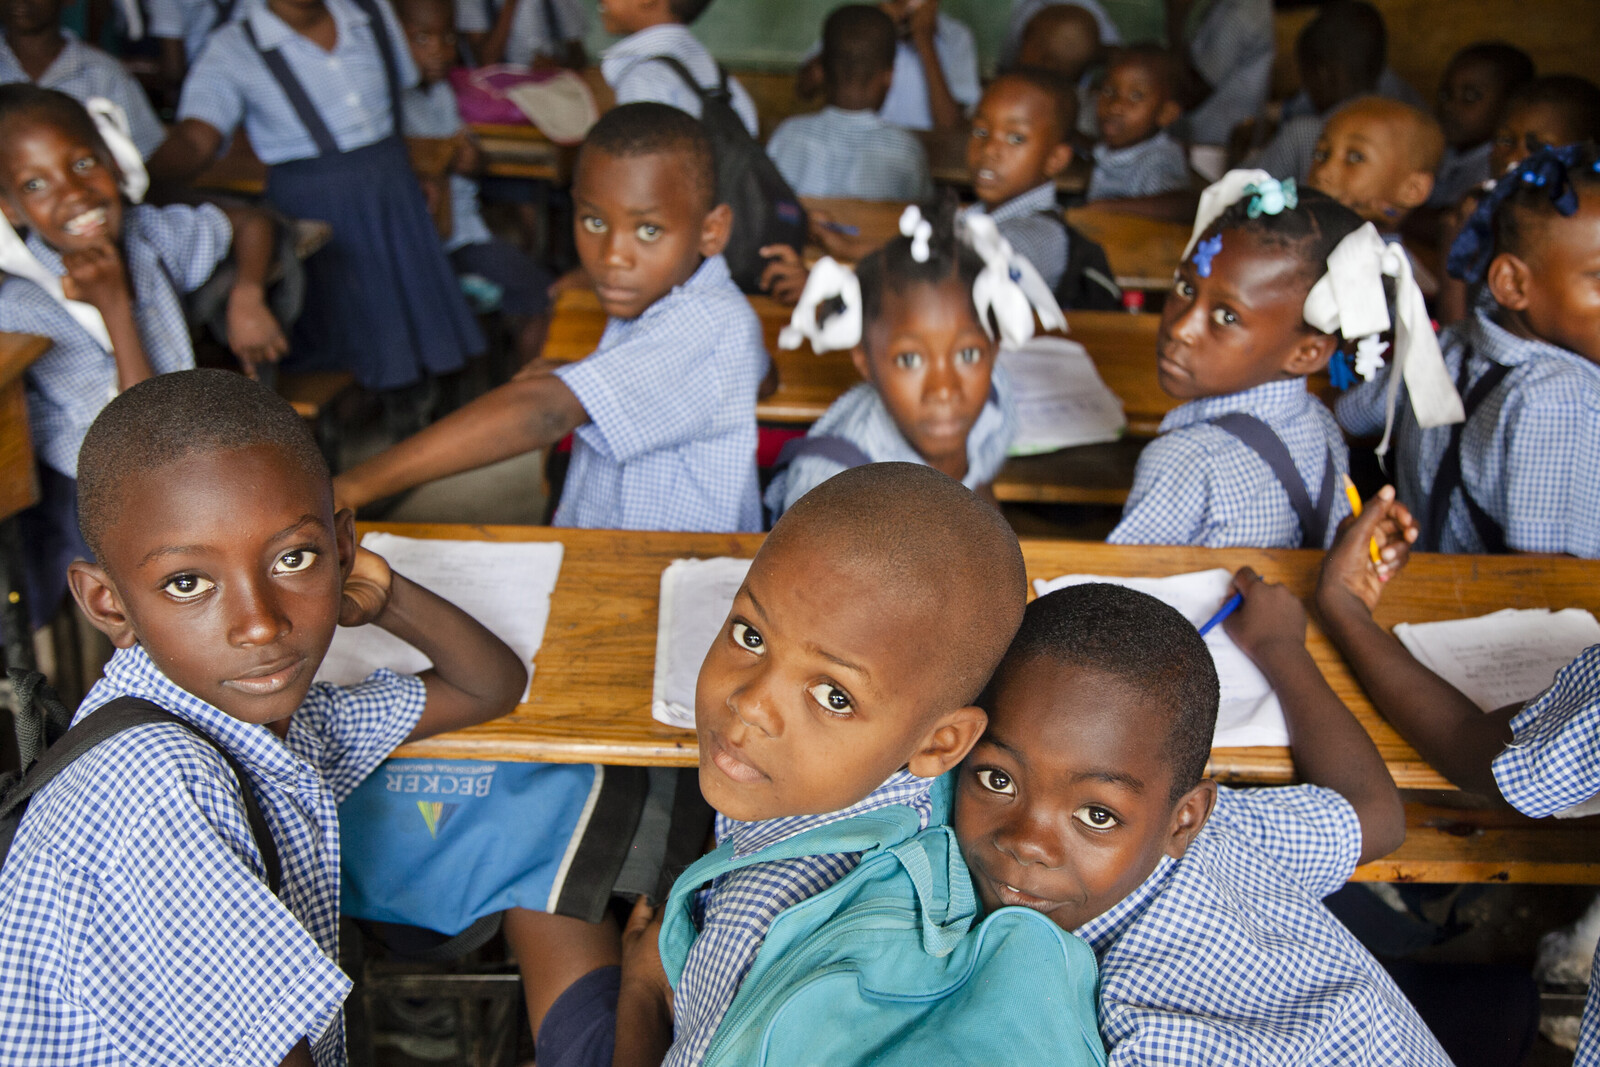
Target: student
(429,110)
(1472,97)
(1377,157)
(1085,799)
(1069,40)
(1137,101)
(654,28)
(1547,112)
(135,922)
(1228,46)
(318,86)
(36,49)
(931,395)
(1025,16)
(539,34)
(1517,474)
(181,28)
(847,150)
(104,281)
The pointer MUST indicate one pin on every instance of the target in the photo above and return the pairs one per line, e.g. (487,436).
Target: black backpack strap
(683,74)
(1449,478)
(304,110)
(825,446)
(224,12)
(1269,446)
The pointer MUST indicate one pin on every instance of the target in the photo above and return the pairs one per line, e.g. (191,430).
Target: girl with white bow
(103,276)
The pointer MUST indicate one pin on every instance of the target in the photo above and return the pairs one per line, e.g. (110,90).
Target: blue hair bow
(1271,197)
(1204,253)
(1548,169)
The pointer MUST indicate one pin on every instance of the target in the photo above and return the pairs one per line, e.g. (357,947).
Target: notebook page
(1061,401)
(1505,657)
(695,597)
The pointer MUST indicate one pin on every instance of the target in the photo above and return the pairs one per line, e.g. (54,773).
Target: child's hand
(1269,614)
(641,954)
(1349,578)
(253,331)
(366,591)
(784,277)
(97,276)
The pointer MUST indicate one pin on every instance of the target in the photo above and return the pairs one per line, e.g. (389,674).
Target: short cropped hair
(1511,65)
(686,11)
(647,129)
(170,417)
(858,44)
(1062,93)
(1577,99)
(1346,35)
(1141,641)
(52,107)
(1153,58)
(1420,133)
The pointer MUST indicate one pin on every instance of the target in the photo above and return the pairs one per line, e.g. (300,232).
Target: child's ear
(1189,816)
(1508,278)
(1169,113)
(858,356)
(948,743)
(344,536)
(714,230)
(97,595)
(1414,190)
(1058,158)
(1310,354)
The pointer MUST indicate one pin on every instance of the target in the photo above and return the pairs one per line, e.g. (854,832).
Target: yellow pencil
(1355,509)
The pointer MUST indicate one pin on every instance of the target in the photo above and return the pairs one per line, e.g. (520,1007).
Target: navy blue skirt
(50,541)
(381,299)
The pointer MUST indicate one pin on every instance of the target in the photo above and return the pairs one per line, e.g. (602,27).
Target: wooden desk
(240,172)
(1143,252)
(19,485)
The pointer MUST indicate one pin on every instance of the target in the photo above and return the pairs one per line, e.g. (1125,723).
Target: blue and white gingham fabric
(135,926)
(907,102)
(739,908)
(1198,484)
(1043,241)
(1289,153)
(1459,174)
(189,21)
(1528,454)
(532,33)
(230,83)
(82,71)
(67,387)
(671,396)
(1233,49)
(430,111)
(1229,956)
(859,416)
(1154,166)
(850,154)
(626,69)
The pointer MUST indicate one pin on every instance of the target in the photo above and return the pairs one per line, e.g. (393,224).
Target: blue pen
(1228,607)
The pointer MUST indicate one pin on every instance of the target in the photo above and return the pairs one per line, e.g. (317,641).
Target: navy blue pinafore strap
(838,449)
(1449,479)
(1261,439)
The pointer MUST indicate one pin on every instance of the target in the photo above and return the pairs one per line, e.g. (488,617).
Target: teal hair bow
(1271,197)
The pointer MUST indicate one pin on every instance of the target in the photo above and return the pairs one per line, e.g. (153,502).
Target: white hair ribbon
(1218,197)
(1008,285)
(828,280)
(112,122)
(919,229)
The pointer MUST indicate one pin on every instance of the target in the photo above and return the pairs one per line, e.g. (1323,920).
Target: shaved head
(1403,124)
(1064,38)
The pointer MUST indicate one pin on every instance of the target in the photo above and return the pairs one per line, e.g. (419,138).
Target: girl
(104,280)
(317,86)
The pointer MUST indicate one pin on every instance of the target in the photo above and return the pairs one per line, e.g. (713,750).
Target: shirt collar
(903,787)
(651,41)
(855,118)
(1039,198)
(1104,153)
(711,273)
(68,61)
(1103,930)
(1489,339)
(1283,399)
(272,32)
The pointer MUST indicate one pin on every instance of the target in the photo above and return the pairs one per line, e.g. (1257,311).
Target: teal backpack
(887,965)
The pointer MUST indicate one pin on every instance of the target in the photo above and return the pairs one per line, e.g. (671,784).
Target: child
(36,49)
(1472,97)
(665,408)
(1377,157)
(846,149)
(137,926)
(539,34)
(1547,112)
(1137,101)
(429,109)
(930,394)
(1239,463)
(105,281)
(318,88)
(654,28)
(1069,40)
(1086,800)
(1517,473)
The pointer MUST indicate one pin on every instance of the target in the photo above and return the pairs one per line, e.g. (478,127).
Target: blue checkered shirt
(430,111)
(168,251)
(739,908)
(859,416)
(230,82)
(1289,153)
(532,32)
(626,69)
(850,154)
(907,102)
(1197,484)
(671,397)
(1154,166)
(190,21)
(135,925)
(1528,454)
(1233,49)
(1229,956)
(1459,174)
(1032,222)
(82,71)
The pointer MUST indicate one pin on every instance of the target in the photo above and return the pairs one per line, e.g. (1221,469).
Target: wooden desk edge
(18,351)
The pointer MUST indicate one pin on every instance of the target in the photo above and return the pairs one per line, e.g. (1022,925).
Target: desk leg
(15,632)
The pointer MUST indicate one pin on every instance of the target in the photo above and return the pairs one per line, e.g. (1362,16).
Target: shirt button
(354,99)
(333,63)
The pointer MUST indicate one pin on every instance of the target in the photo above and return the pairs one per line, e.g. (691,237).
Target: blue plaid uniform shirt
(1197,484)
(230,82)
(1460,173)
(671,396)
(532,32)
(135,925)
(1229,956)
(860,417)
(1528,454)
(907,102)
(1043,241)
(169,251)
(82,71)
(850,154)
(739,909)
(1154,166)
(1232,48)
(189,21)
(626,69)
(1289,153)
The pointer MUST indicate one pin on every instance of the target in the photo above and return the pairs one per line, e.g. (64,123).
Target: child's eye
(594,224)
(996,781)
(648,233)
(1320,155)
(980,133)
(188,586)
(1182,287)
(1135,97)
(1016,139)
(1095,817)
(970,355)
(87,163)
(748,638)
(1224,317)
(834,701)
(295,560)
(1354,157)
(908,360)
(33,185)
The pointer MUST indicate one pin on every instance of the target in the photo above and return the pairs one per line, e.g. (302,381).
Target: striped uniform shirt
(850,154)
(1289,154)
(82,71)
(167,251)
(907,103)
(1154,166)
(1032,222)
(538,27)
(135,924)
(1198,484)
(739,908)
(626,68)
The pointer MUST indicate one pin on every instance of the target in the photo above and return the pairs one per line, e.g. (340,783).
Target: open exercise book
(695,597)
(1502,658)
(505,585)
(1061,401)
(1249,714)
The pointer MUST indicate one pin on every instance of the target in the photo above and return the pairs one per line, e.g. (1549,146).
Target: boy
(136,924)
(1377,157)
(651,28)
(665,408)
(1086,800)
(1551,111)
(846,149)
(539,34)
(1137,101)
(428,109)
(1067,39)
(1472,98)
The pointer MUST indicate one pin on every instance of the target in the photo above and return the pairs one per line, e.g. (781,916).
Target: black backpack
(47,747)
(765,210)
(1087,283)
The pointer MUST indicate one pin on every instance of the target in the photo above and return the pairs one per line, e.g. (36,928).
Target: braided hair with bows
(1541,188)
(895,268)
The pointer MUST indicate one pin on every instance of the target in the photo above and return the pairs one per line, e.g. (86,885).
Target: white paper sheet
(695,597)
(1504,657)
(1249,714)
(505,585)
(1061,401)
